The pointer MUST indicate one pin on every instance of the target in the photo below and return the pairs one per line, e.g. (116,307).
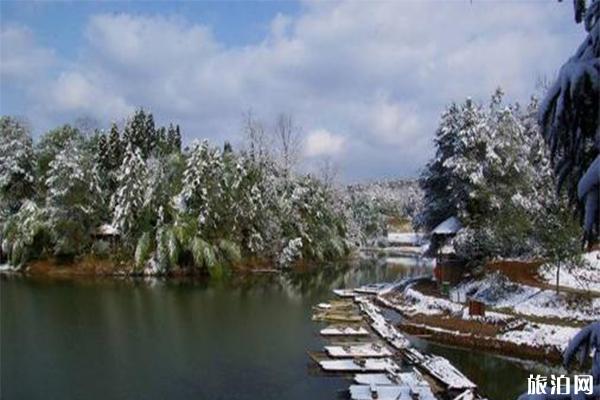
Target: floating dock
(381,358)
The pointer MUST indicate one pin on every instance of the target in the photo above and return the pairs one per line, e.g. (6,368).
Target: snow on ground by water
(8,268)
(585,276)
(405,237)
(498,292)
(418,303)
(533,302)
(542,335)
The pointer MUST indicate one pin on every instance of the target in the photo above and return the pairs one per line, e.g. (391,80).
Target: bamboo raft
(391,369)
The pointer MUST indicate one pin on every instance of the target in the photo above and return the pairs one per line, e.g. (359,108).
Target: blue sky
(56,23)
(366,81)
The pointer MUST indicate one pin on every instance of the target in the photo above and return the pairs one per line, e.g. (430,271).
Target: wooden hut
(108,233)
(449,268)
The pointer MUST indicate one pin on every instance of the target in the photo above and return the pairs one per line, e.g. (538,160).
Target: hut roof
(449,227)
(107,230)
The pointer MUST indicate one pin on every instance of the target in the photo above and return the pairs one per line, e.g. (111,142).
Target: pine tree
(140,132)
(52,143)
(17,175)
(72,199)
(115,148)
(103,154)
(174,138)
(152,136)
(436,181)
(128,201)
(202,186)
(162,146)
(570,122)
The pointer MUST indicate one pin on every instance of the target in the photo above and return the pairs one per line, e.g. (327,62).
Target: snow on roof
(107,230)
(447,249)
(448,227)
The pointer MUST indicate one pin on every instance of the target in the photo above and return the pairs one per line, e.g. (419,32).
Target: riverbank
(524,317)
(90,266)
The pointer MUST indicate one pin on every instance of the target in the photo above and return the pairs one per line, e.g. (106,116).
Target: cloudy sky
(366,81)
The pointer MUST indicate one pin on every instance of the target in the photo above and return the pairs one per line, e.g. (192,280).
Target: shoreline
(441,321)
(90,267)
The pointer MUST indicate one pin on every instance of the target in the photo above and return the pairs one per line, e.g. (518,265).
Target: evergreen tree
(115,148)
(140,132)
(435,179)
(72,200)
(128,201)
(174,138)
(17,175)
(104,159)
(162,146)
(52,143)
(570,122)
(202,186)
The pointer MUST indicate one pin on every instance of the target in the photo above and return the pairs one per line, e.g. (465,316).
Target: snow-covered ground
(542,335)
(407,238)
(525,332)
(585,276)
(8,268)
(418,303)
(498,292)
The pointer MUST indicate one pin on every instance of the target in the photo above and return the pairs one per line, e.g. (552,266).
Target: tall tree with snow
(52,143)
(140,132)
(569,118)
(17,174)
(128,201)
(435,179)
(202,187)
(72,199)
(174,138)
(115,147)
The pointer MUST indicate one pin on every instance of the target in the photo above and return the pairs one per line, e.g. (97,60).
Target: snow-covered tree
(457,170)
(17,171)
(174,138)
(72,199)
(201,187)
(569,117)
(140,132)
(24,234)
(103,154)
(115,147)
(52,143)
(128,201)
(491,170)
(435,180)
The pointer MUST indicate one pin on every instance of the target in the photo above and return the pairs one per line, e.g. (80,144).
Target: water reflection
(244,337)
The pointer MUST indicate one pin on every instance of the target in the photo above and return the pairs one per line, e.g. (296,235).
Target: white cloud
(380,72)
(321,142)
(22,58)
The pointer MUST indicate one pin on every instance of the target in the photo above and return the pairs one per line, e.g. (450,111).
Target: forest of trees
(197,209)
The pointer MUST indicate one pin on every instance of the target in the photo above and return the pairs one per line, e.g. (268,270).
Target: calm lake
(240,338)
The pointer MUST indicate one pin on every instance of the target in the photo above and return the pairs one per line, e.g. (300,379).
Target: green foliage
(72,200)
(24,235)
(143,250)
(202,207)
(101,249)
(203,254)
(52,143)
(229,251)
(17,160)
(492,171)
